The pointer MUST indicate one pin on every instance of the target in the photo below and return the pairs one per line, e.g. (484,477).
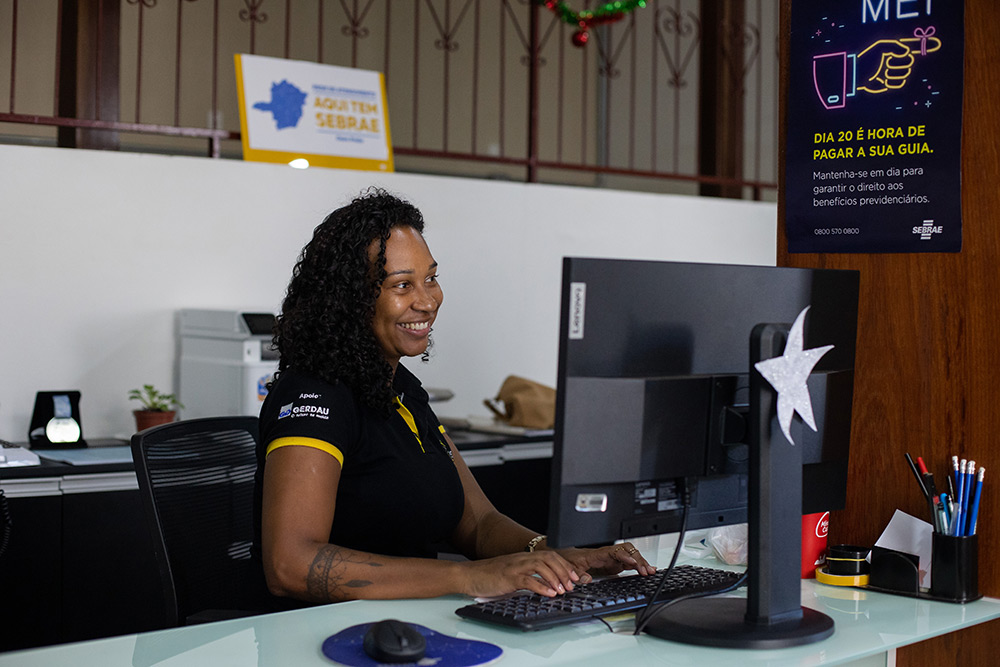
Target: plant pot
(146,418)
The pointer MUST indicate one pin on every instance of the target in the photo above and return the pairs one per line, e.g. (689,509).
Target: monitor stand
(772,615)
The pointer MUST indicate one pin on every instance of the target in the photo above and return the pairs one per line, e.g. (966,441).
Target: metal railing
(478,87)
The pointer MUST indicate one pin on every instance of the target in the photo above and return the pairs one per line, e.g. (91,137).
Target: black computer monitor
(655,395)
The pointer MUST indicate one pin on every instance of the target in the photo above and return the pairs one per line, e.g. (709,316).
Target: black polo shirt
(399,492)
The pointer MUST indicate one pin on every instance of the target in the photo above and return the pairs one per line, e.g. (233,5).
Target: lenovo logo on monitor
(577,309)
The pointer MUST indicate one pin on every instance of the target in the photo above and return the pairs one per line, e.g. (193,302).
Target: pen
(916,473)
(928,478)
(931,491)
(970,473)
(974,517)
(940,524)
(945,509)
(923,487)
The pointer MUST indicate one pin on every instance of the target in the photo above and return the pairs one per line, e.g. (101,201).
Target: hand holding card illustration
(884,65)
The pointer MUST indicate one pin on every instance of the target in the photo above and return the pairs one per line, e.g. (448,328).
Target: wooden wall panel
(928,365)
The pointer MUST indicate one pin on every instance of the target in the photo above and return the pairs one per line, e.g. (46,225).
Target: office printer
(226,361)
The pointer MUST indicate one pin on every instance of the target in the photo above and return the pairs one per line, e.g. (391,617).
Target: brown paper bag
(523,402)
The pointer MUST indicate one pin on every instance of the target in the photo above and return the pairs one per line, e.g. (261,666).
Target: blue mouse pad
(347,647)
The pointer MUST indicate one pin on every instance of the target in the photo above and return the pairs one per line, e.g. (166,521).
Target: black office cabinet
(30,585)
(80,562)
(110,581)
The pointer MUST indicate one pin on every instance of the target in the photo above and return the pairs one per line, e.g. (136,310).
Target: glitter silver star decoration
(788,374)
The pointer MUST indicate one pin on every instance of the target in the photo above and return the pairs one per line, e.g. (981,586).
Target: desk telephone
(11,455)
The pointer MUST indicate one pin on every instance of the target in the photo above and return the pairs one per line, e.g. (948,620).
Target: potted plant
(157,407)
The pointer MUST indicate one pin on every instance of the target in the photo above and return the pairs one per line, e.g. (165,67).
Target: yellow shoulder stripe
(321,445)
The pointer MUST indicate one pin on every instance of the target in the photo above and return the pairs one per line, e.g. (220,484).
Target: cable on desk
(650,611)
(645,613)
(608,625)
(739,582)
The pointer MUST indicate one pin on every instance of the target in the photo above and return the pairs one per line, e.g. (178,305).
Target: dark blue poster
(873,150)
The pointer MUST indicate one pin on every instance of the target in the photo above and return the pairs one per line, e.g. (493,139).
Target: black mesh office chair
(196,479)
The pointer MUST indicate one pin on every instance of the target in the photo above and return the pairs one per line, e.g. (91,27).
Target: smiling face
(410,296)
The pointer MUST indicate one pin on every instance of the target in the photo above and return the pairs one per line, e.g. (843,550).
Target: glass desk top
(866,623)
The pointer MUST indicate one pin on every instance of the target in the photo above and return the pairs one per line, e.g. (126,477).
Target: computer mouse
(394,641)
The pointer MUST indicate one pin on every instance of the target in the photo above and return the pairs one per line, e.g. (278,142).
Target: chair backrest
(196,479)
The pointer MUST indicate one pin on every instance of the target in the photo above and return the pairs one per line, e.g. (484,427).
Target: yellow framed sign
(327,115)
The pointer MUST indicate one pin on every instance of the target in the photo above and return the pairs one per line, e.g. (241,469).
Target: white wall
(99,250)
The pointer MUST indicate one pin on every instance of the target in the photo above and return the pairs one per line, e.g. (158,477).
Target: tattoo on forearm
(326,581)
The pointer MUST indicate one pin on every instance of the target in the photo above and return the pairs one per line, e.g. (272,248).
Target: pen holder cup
(955,567)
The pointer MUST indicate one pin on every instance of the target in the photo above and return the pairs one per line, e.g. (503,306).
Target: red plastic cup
(814,531)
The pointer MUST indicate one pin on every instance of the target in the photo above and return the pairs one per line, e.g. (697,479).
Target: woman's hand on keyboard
(606,561)
(544,572)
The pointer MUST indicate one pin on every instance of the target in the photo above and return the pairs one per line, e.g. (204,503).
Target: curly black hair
(325,325)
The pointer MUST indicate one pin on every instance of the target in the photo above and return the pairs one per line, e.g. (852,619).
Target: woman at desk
(358,481)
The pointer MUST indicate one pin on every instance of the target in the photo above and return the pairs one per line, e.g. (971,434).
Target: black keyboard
(530,611)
